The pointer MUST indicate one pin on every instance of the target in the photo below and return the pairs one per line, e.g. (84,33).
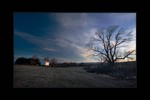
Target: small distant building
(47,63)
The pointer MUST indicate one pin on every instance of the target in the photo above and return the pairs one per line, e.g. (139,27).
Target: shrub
(104,69)
(91,69)
(124,70)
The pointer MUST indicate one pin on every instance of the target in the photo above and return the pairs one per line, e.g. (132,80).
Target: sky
(64,35)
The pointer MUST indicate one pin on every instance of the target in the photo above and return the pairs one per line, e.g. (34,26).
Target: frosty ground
(59,77)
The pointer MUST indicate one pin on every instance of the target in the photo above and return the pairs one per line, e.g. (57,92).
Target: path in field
(71,77)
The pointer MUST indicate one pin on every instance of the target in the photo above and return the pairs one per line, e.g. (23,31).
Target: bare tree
(46,59)
(53,62)
(107,44)
(35,60)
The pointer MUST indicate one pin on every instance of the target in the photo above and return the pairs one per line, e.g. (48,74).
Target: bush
(124,70)
(91,69)
(101,68)
(105,69)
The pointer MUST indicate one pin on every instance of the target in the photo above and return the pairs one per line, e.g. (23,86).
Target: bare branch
(126,56)
(99,51)
(108,41)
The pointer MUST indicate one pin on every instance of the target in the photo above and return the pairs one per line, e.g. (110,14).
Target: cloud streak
(50,49)
(42,42)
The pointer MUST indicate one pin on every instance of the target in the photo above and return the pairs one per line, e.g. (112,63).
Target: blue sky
(63,35)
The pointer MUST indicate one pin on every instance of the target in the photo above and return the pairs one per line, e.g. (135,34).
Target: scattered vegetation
(123,70)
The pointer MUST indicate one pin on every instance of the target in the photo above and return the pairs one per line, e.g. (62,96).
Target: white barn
(47,63)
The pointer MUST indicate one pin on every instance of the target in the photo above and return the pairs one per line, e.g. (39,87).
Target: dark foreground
(70,77)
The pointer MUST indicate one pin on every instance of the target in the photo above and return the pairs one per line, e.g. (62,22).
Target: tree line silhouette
(28,61)
(53,62)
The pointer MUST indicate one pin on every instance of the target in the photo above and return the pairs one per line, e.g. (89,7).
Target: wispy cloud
(42,42)
(71,19)
(50,49)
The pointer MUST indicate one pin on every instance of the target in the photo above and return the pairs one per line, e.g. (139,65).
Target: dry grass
(122,70)
(70,77)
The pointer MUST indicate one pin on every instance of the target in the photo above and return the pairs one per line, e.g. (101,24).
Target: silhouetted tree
(53,62)
(107,42)
(72,64)
(21,60)
(65,64)
(46,59)
(81,64)
(35,60)
(28,61)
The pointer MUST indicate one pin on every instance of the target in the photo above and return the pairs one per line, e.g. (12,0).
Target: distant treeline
(53,62)
(27,61)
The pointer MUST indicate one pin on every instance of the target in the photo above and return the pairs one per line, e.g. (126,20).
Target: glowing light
(46,63)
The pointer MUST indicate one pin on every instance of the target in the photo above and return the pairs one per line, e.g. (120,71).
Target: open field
(69,77)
